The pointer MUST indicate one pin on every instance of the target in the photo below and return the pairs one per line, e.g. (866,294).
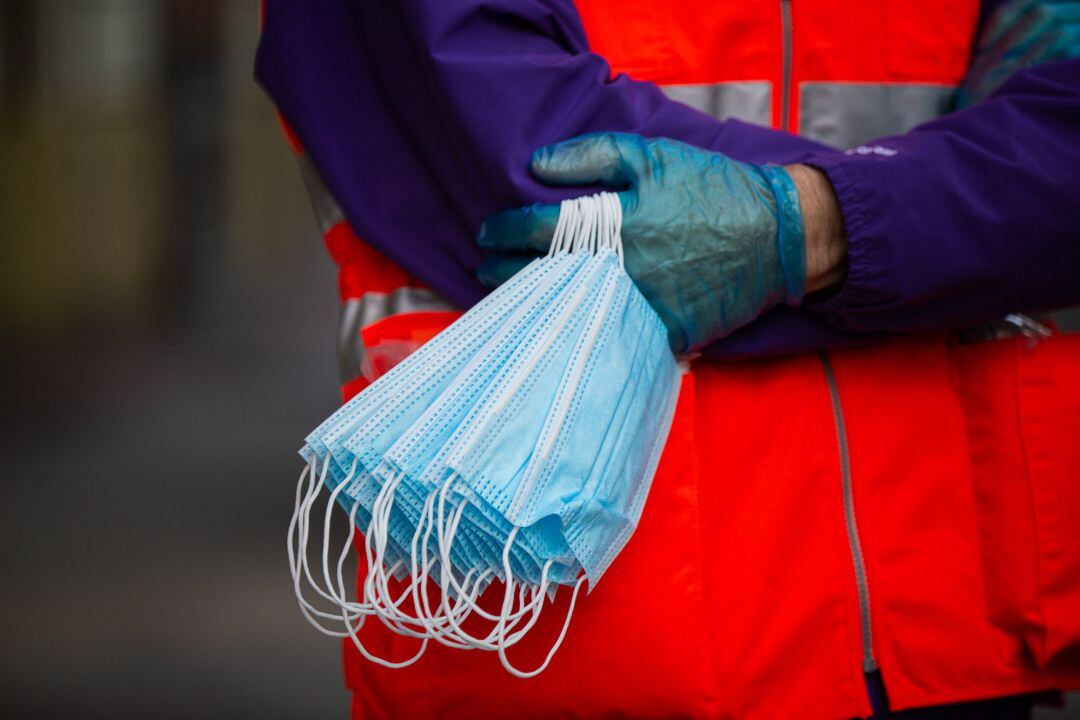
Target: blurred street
(167,318)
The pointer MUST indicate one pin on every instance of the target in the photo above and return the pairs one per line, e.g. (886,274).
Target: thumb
(496,269)
(607,158)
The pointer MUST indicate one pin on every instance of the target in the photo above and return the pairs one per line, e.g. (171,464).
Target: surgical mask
(517,448)
(438,425)
(396,400)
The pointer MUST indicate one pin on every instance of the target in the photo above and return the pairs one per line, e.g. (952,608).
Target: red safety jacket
(911,507)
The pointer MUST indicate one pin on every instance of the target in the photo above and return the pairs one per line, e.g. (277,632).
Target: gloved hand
(1020,34)
(711,242)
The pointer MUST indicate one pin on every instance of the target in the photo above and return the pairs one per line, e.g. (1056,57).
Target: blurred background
(167,325)
(167,322)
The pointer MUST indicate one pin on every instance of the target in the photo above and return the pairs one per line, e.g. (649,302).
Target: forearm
(786,330)
(964,219)
(421,116)
(512,76)
(826,245)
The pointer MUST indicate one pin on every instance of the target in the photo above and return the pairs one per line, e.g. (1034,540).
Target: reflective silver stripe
(746,101)
(358,313)
(327,212)
(848,114)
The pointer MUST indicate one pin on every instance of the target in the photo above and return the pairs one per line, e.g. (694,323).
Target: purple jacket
(421,116)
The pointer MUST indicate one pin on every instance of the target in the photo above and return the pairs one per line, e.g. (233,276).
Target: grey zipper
(868,662)
(785,78)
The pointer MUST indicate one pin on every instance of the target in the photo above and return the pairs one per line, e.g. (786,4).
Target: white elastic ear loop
(314,488)
(617,241)
(445,544)
(503,640)
(435,624)
(558,237)
(430,621)
(340,594)
(531,609)
(375,541)
(394,604)
(377,590)
(376,585)
(508,594)
(605,235)
(351,628)
(346,616)
(298,560)
(615,205)
(331,503)
(344,553)
(445,540)
(573,228)
(486,643)
(442,627)
(596,239)
(591,222)
(337,598)
(376,659)
(589,217)
(466,597)
(555,646)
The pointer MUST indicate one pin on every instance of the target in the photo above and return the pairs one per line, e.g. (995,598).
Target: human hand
(711,242)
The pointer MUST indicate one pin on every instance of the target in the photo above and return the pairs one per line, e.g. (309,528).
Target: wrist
(823,224)
(790,237)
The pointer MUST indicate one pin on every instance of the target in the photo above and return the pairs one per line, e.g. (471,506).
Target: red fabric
(698,41)
(362,268)
(1025,402)
(736,597)
(655,591)
(353,388)
(393,338)
(414,327)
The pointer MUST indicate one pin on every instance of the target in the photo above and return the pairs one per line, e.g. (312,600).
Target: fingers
(496,269)
(607,158)
(527,229)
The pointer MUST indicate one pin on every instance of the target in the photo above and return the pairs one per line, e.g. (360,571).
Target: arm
(966,218)
(1015,35)
(826,244)
(422,115)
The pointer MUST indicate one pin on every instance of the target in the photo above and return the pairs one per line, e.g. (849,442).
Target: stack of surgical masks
(516,448)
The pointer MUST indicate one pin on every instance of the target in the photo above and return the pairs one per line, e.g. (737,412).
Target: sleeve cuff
(857,290)
(790,233)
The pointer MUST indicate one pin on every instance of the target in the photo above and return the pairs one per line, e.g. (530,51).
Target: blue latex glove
(711,242)
(1020,34)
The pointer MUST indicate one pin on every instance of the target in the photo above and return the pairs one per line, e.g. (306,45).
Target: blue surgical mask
(518,444)
(420,443)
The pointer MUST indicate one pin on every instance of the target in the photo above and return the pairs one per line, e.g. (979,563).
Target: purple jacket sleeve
(965,218)
(421,117)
